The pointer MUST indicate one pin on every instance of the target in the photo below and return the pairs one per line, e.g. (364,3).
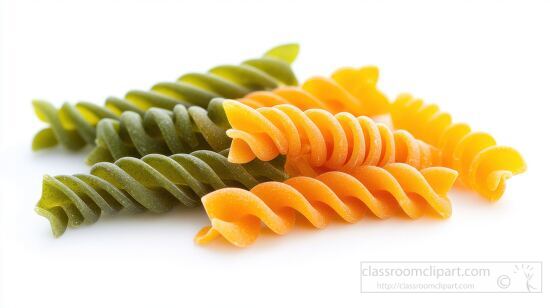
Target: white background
(487,62)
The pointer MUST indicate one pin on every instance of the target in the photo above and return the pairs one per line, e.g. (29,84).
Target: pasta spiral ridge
(347,90)
(182,130)
(483,165)
(74,125)
(333,142)
(153,183)
(237,214)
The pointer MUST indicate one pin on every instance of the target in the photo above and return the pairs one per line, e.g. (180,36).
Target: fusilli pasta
(74,125)
(348,90)
(154,183)
(336,142)
(182,130)
(483,165)
(237,214)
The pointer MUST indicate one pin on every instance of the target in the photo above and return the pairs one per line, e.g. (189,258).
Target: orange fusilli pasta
(483,165)
(348,90)
(333,142)
(237,214)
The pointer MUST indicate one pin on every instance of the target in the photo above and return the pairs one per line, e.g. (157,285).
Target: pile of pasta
(256,148)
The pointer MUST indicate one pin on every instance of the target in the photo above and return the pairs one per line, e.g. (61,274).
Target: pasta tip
(287,52)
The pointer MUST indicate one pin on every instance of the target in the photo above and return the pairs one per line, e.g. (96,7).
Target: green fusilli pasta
(153,183)
(74,126)
(160,131)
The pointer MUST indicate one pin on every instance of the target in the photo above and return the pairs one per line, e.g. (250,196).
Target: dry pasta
(153,183)
(237,214)
(185,129)
(336,142)
(348,90)
(74,125)
(483,165)
(182,130)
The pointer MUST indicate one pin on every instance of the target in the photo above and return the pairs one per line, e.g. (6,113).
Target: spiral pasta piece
(348,90)
(333,142)
(236,214)
(181,130)
(483,165)
(74,125)
(153,183)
